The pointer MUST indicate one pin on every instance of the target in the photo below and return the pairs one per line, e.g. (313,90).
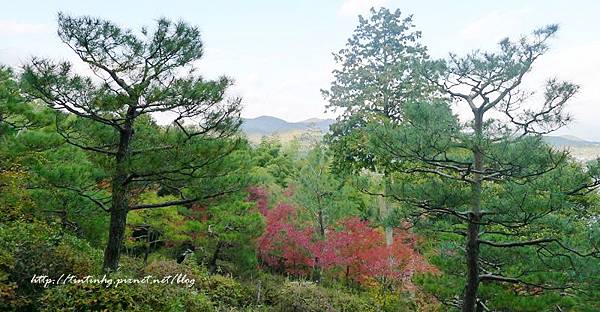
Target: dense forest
(403,205)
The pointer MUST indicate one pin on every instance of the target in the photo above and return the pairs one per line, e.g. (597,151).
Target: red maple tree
(352,249)
(357,251)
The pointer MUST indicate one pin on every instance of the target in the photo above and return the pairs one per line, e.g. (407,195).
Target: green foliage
(273,163)
(225,290)
(17,116)
(228,238)
(161,268)
(307,296)
(28,249)
(96,148)
(15,113)
(324,197)
(379,70)
(157,227)
(125,297)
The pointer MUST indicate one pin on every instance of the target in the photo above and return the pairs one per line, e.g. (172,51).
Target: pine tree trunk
(212,264)
(472,263)
(147,250)
(118,219)
(470,296)
(120,202)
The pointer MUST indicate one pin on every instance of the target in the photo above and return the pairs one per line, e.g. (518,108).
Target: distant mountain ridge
(268,125)
(569,141)
(256,128)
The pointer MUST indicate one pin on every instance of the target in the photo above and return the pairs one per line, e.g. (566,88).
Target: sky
(280,52)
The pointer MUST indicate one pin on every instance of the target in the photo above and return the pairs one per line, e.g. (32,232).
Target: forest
(403,205)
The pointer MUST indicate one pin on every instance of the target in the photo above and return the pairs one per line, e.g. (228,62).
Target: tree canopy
(434,190)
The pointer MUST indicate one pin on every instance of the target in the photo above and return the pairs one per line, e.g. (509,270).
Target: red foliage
(261,197)
(356,250)
(284,246)
(363,253)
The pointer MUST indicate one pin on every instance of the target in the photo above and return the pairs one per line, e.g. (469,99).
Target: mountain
(581,149)
(569,141)
(256,128)
(268,125)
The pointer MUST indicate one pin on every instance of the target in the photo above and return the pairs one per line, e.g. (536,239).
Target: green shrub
(268,286)
(37,248)
(303,297)
(244,309)
(225,290)
(163,268)
(131,266)
(345,302)
(125,297)
(309,297)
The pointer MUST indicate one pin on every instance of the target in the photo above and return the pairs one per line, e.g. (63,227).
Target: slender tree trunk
(321,220)
(384,212)
(470,296)
(321,224)
(259,292)
(472,261)
(120,204)
(118,219)
(147,250)
(317,271)
(347,275)
(212,264)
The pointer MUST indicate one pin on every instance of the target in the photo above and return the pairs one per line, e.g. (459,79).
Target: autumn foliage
(352,250)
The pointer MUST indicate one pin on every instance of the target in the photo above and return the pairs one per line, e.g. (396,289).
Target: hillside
(256,128)
(268,125)
(569,141)
(581,149)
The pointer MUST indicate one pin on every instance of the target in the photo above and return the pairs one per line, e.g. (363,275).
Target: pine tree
(137,75)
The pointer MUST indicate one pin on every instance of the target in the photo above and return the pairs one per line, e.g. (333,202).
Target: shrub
(225,290)
(125,297)
(269,287)
(162,268)
(37,248)
(345,302)
(307,296)
(303,297)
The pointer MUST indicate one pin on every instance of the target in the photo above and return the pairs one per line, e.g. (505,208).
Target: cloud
(495,25)
(578,64)
(355,7)
(13,28)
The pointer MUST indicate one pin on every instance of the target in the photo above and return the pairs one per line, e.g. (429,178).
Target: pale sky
(279,52)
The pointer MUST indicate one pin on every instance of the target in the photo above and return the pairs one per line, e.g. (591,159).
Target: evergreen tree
(492,181)
(379,72)
(136,76)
